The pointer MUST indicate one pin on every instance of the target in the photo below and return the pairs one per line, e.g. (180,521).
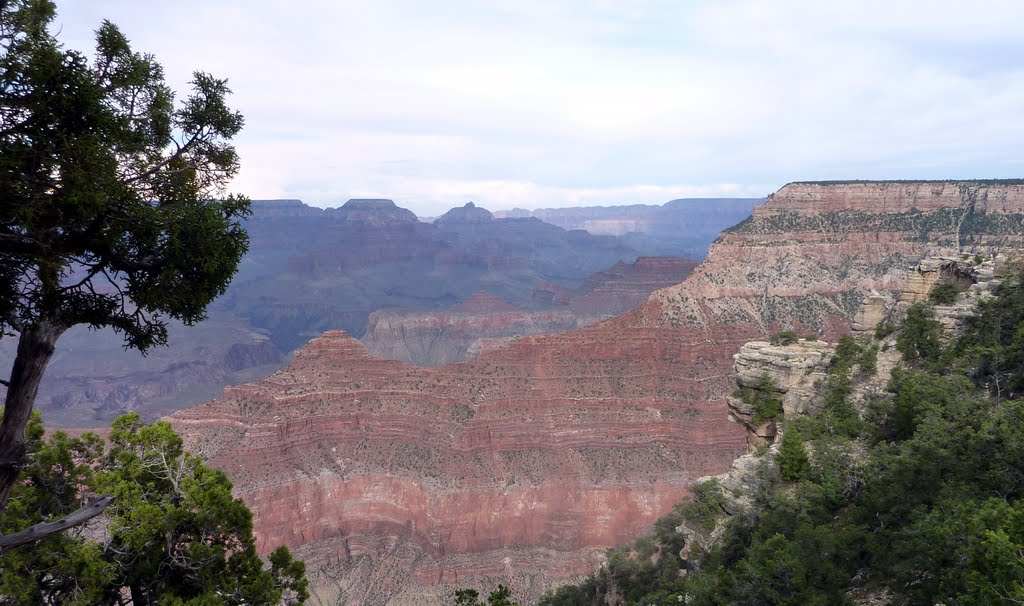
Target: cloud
(539,103)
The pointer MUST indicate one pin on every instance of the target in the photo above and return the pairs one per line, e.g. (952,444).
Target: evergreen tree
(792,458)
(175,533)
(112,204)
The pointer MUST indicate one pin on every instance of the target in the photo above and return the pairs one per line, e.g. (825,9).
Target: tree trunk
(35,348)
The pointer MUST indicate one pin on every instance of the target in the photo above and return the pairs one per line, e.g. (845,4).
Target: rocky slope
(799,374)
(398,483)
(432,337)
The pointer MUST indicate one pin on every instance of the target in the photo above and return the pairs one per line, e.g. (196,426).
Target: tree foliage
(174,534)
(793,461)
(763,398)
(502,596)
(112,205)
(920,335)
(943,293)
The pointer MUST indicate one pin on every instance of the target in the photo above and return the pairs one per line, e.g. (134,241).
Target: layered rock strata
(519,467)
(399,483)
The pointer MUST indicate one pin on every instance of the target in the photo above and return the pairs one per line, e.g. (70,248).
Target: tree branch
(40,531)
(21,245)
(177,154)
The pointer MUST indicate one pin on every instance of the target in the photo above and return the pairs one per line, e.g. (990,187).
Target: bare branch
(177,154)
(40,531)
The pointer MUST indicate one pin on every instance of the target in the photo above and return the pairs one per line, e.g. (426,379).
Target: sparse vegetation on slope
(919,498)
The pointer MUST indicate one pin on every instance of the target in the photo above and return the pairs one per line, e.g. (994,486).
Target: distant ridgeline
(681,228)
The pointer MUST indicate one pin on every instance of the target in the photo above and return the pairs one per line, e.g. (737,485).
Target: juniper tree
(113,210)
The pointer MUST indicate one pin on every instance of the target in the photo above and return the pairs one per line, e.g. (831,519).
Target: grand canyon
(511,303)
(398,483)
(424,292)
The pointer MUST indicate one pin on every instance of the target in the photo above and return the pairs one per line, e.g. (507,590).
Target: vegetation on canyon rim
(919,496)
(173,534)
(113,214)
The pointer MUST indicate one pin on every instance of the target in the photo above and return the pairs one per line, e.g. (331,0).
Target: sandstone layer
(398,483)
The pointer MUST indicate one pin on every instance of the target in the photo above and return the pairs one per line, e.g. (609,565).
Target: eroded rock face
(625,286)
(432,338)
(541,454)
(399,483)
(792,370)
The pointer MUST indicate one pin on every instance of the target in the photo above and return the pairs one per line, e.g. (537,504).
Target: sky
(549,103)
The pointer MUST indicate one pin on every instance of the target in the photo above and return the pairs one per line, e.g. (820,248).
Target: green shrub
(763,398)
(920,334)
(868,361)
(793,462)
(944,293)
(786,337)
(884,329)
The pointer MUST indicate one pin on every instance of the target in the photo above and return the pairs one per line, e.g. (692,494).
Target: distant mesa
(373,212)
(369,204)
(470,213)
(679,228)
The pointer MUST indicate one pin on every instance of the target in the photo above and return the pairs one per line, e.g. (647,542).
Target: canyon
(311,269)
(399,483)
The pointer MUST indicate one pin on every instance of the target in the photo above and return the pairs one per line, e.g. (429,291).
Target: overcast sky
(545,103)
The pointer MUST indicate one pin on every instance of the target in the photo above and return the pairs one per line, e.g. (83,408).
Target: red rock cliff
(398,483)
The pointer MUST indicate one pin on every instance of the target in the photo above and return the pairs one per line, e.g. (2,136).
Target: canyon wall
(399,483)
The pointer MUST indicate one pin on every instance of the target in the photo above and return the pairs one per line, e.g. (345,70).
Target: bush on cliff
(785,337)
(173,535)
(763,398)
(792,458)
(943,293)
(920,335)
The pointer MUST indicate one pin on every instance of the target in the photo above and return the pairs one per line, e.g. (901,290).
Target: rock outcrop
(398,483)
(791,372)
